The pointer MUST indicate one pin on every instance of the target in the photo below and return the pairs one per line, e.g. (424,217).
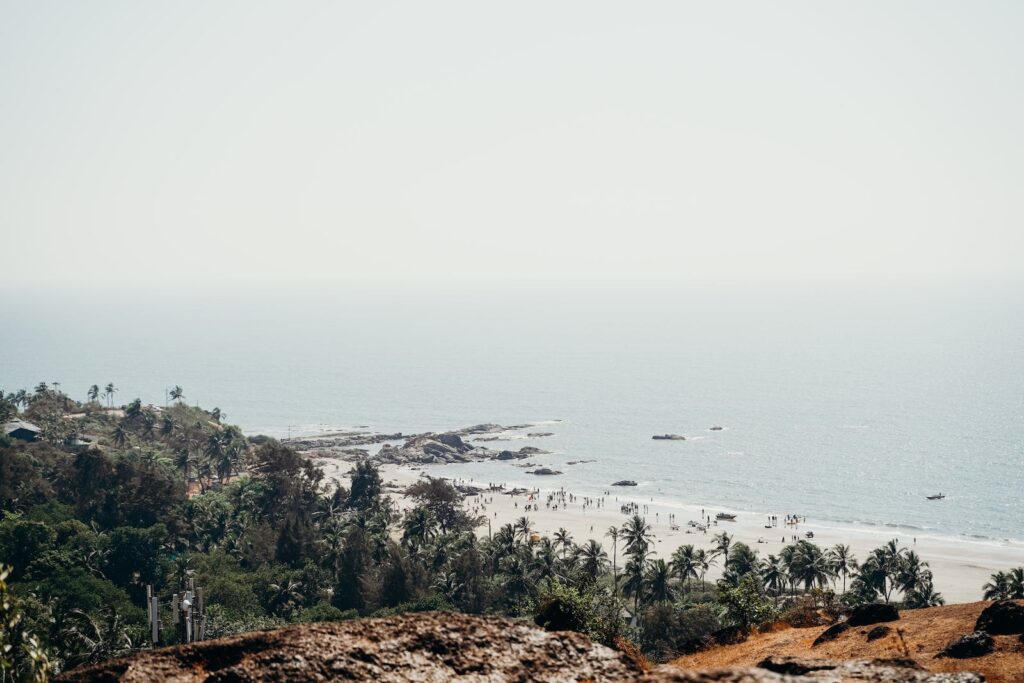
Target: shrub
(668,631)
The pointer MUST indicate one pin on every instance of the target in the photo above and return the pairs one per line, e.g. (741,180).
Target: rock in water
(872,613)
(625,482)
(1001,618)
(975,644)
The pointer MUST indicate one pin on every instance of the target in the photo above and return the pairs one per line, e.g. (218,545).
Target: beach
(960,566)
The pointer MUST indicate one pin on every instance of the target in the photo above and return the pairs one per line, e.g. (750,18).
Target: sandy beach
(960,566)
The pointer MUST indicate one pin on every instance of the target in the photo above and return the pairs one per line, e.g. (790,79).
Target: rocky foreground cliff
(457,647)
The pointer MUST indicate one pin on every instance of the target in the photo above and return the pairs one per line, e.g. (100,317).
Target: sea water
(839,402)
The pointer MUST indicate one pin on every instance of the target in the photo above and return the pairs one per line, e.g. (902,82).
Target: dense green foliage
(111,500)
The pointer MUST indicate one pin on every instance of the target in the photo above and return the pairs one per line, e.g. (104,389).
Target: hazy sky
(220,141)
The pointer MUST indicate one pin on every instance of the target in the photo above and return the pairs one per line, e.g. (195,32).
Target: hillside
(918,634)
(455,647)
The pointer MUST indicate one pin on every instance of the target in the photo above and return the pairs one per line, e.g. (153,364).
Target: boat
(937,496)
(725,516)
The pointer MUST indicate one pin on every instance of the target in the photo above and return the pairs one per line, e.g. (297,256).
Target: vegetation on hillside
(112,500)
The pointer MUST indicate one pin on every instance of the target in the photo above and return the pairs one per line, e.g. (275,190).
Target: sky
(414,142)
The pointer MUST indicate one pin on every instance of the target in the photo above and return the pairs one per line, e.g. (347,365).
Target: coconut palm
(90,640)
(1016,584)
(924,595)
(563,539)
(120,435)
(636,533)
(613,533)
(634,574)
(773,574)
(593,560)
(702,562)
(914,574)
(658,582)
(177,393)
(842,561)
(723,543)
(94,392)
(521,527)
(809,566)
(109,392)
(418,527)
(684,565)
(998,587)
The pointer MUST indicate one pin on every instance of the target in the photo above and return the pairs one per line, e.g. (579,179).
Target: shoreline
(961,566)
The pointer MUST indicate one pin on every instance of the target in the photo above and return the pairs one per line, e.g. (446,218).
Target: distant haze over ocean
(837,403)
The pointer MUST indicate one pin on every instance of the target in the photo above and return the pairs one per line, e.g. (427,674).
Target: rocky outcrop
(872,613)
(415,647)
(457,647)
(794,670)
(544,471)
(977,644)
(878,632)
(831,633)
(1001,618)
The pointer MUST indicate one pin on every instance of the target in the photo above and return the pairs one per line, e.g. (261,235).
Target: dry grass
(919,634)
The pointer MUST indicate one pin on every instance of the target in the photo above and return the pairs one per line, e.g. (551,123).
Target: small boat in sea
(937,496)
(726,517)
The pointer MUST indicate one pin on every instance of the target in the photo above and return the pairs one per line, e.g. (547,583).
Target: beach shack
(19,429)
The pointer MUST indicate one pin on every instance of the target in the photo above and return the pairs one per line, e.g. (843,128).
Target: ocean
(841,403)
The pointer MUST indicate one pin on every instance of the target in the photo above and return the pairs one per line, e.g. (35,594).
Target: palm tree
(636,532)
(594,560)
(120,435)
(924,595)
(92,640)
(998,587)
(773,574)
(723,542)
(167,426)
(109,392)
(702,562)
(1017,583)
(634,574)
(809,565)
(522,528)
(659,582)
(842,561)
(684,565)
(563,539)
(613,532)
(914,574)
(94,392)
(177,393)
(418,526)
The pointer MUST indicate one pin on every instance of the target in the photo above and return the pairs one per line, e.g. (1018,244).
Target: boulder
(454,441)
(831,633)
(625,482)
(977,644)
(544,471)
(872,613)
(509,455)
(1001,618)
(878,632)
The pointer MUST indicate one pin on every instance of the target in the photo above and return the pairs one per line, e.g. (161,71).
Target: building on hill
(19,429)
